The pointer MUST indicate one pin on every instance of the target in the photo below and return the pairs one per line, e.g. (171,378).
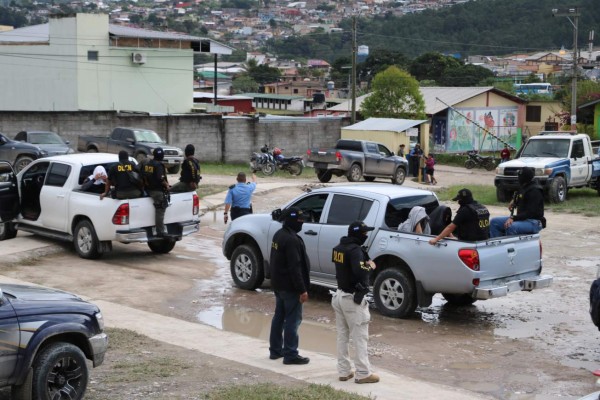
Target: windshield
(45,138)
(547,148)
(147,136)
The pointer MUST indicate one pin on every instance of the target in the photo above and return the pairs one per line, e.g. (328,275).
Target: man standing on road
(125,178)
(415,158)
(529,203)
(290,281)
(190,172)
(155,181)
(239,197)
(471,222)
(352,268)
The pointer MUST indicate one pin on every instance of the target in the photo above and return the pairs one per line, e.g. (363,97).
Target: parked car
(46,337)
(52,142)
(19,154)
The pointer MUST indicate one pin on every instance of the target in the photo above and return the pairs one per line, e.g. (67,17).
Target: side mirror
(67,141)
(276,214)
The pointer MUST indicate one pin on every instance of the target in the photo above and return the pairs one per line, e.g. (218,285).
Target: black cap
(292,214)
(123,155)
(158,153)
(358,227)
(190,150)
(463,194)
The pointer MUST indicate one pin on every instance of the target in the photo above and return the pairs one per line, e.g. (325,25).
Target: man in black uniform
(289,279)
(529,203)
(190,172)
(471,222)
(157,186)
(125,178)
(352,268)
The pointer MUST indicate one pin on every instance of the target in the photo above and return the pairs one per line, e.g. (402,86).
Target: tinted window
(397,209)
(577,150)
(36,173)
(384,150)
(346,209)
(372,148)
(22,136)
(117,134)
(312,206)
(58,174)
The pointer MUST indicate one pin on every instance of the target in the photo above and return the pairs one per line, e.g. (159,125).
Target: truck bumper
(528,284)
(176,232)
(511,183)
(99,344)
(172,161)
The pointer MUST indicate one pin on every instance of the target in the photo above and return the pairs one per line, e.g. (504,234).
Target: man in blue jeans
(529,204)
(289,279)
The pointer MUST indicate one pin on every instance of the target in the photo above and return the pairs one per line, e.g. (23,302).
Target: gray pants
(159,209)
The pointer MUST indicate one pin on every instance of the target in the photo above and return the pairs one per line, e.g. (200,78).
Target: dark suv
(46,335)
(19,154)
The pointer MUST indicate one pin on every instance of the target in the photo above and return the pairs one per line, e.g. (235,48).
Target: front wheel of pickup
(459,300)
(395,293)
(85,240)
(60,372)
(246,267)
(558,190)
(162,246)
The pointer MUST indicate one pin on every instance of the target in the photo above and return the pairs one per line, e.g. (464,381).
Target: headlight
(543,171)
(500,171)
(43,153)
(100,320)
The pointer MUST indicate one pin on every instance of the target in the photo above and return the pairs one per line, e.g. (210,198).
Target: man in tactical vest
(124,176)
(529,204)
(471,222)
(155,182)
(190,172)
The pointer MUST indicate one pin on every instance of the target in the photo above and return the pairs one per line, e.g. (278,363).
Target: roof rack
(557,133)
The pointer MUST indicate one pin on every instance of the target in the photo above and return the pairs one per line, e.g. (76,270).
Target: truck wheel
(399,176)
(395,293)
(558,190)
(459,299)
(246,267)
(324,176)
(355,173)
(140,157)
(296,168)
(92,150)
(60,372)
(85,240)
(489,164)
(469,164)
(163,246)
(22,162)
(7,231)
(268,169)
(502,195)
(175,169)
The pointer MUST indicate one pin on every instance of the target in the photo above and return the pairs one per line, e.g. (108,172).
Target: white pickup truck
(409,270)
(45,198)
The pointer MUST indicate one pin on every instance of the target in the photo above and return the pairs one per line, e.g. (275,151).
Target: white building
(82,62)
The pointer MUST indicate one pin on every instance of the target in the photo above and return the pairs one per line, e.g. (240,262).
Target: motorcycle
(268,162)
(477,160)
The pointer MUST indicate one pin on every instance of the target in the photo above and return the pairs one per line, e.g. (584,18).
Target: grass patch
(275,392)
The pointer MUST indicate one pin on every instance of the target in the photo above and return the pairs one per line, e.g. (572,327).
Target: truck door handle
(60,196)
(311,232)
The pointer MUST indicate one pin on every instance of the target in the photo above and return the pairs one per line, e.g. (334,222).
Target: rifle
(515,198)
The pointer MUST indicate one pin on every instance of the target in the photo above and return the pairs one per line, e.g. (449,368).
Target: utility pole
(353,116)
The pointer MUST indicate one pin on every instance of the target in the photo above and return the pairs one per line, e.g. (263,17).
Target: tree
(432,66)
(379,60)
(395,94)
(262,73)
(244,84)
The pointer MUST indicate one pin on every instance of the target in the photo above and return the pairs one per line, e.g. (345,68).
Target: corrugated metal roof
(273,96)
(28,34)
(385,124)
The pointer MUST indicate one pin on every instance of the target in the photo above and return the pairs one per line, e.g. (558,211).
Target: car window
(21,136)
(397,209)
(577,150)
(36,173)
(58,175)
(312,206)
(372,148)
(346,209)
(88,170)
(384,151)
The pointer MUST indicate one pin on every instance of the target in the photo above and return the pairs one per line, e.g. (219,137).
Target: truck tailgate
(323,156)
(509,257)
(142,210)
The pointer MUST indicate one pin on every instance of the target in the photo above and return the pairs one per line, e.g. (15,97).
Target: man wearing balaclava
(352,269)
(471,222)
(528,202)
(290,281)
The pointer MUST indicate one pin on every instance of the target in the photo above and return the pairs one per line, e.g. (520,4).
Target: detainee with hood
(529,205)
(471,222)
(417,221)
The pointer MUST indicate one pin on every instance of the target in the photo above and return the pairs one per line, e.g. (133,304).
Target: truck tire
(355,173)
(558,190)
(60,372)
(7,231)
(503,195)
(459,300)
(324,176)
(295,168)
(399,176)
(470,164)
(247,267)
(395,293)
(92,150)
(85,240)
(162,246)
(369,178)
(22,162)
(174,169)
(140,157)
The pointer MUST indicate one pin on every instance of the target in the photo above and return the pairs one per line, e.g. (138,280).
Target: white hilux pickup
(409,270)
(46,198)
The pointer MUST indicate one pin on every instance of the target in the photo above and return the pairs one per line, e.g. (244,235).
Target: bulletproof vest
(123,176)
(152,172)
(483,220)
(343,268)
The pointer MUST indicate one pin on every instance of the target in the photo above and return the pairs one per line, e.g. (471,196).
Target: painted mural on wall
(479,129)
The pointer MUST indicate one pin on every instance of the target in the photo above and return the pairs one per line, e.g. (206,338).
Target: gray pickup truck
(356,159)
(138,142)
(409,270)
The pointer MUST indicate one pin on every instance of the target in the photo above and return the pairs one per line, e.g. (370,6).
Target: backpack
(595,302)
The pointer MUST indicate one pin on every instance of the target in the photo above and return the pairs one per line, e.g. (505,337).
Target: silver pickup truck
(409,270)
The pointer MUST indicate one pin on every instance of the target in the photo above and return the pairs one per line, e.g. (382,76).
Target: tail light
(338,156)
(196,206)
(121,216)
(470,257)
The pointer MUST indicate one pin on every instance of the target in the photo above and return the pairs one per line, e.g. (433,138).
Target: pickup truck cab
(46,198)
(19,154)
(138,142)
(409,270)
(562,161)
(356,159)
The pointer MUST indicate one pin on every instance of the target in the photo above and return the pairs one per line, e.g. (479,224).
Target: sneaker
(299,360)
(373,378)
(346,378)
